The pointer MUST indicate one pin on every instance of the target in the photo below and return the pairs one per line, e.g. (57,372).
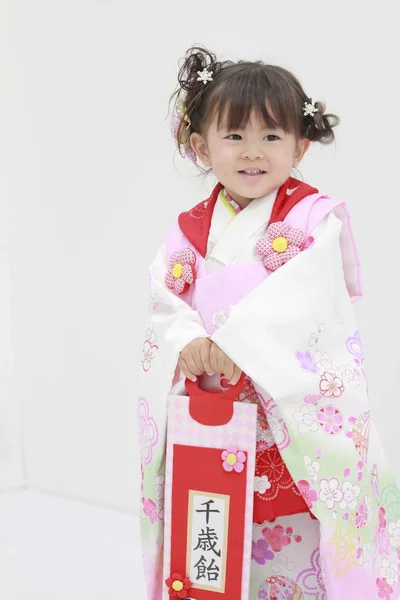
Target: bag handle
(212,408)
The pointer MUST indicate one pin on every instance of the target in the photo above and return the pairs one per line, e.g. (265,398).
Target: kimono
(273,287)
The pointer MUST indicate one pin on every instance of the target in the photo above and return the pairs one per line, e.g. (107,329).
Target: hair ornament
(309,108)
(205,75)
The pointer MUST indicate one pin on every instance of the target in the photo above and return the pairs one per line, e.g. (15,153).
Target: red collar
(196,223)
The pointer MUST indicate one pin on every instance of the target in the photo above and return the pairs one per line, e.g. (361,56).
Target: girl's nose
(252,153)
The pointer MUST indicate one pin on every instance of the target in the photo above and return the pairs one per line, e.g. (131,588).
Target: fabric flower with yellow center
(181,273)
(233,460)
(280,245)
(178,586)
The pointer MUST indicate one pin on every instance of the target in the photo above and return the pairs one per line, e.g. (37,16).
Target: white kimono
(295,336)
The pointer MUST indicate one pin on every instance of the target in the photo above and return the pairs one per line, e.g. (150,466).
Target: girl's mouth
(253,174)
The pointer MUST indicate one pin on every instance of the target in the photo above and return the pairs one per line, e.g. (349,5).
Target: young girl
(260,279)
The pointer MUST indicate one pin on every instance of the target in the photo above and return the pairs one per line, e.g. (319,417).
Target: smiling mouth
(253,172)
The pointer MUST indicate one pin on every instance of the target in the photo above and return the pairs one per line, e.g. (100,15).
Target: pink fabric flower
(260,552)
(331,385)
(279,245)
(276,537)
(330,419)
(181,273)
(362,515)
(309,495)
(384,589)
(233,460)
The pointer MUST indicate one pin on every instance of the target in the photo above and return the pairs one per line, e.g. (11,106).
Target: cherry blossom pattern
(233,459)
(261,484)
(261,552)
(389,571)
(280,244)
(312,399)
(276,537)
(381,538)
(323,361)
(219,318)
(362,515)
(360,434)
(150,349)
(314,337)
(154,303)
(330,492)
(178,586)
(385,591)
(306,419)
(349,375)
(365,556)
(150,509)
(148,432)
(181,273)
(279,586)
(331,385)
(269,411)
(382,518)
(306,362)
(149,353)
(313,467)
(160,485)
(309,495)
(330,419)
(350,495)
(394,534)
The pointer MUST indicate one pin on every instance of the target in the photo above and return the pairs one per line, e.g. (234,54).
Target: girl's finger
(191,363)
(196,358)
(205,359)
(185,370)
(214,358)
(237,373)
(228,368)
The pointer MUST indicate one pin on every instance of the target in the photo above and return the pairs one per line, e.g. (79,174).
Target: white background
(89,184)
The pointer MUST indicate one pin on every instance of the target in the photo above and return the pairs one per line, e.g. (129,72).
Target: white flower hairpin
(205,75)
(309,108)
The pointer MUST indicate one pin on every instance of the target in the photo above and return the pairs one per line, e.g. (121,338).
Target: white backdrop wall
(92,183)
(11,461)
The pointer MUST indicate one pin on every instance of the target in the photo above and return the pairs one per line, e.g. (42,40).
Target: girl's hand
(195,358)
(221,363)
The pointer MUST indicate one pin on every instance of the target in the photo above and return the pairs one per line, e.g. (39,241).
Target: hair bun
(322,125)
(196,60)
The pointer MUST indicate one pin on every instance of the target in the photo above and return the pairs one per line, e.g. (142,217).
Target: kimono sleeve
(340,217)
(266,329)
(174,320)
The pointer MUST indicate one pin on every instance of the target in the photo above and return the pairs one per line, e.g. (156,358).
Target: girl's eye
(236,136)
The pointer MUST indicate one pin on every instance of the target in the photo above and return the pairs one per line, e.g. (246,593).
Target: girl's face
(250,162)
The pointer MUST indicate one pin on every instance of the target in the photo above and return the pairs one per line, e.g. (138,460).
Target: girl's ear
(199,145)
(302,147)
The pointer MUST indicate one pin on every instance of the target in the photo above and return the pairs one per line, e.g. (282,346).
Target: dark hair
(237,88)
